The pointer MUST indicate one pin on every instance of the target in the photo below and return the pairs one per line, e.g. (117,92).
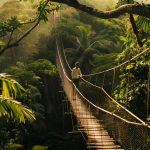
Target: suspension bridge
(107,124)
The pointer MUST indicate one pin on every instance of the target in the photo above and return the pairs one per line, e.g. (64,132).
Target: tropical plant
(132,90)
(143,24)
(8,27)
(9,107)
(43,67)
(139,25)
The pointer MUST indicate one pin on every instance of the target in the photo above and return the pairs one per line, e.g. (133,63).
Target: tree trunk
(135,30)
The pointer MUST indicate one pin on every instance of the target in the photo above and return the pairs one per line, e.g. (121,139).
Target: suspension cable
(115,67)
(142,122)
(115,115)
(110,113)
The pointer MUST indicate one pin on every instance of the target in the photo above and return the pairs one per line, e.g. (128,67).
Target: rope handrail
(115,67)
(66,58)
(142,122)
(106,92)
(111,113)
(99,108)
(62,63)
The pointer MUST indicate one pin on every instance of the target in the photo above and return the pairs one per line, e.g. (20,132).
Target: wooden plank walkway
(98,137)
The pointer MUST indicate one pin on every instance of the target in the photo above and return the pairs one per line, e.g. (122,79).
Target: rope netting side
(120,65)
(130,132)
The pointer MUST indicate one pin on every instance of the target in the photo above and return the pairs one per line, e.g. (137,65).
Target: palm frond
(143,23)
(10,87)
(15,111)
(83,35)
(9,107)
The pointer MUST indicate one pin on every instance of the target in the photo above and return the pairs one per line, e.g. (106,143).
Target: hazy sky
(3,1)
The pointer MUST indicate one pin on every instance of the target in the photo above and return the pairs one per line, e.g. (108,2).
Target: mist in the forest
(3,1)
(38,39)
(34,41)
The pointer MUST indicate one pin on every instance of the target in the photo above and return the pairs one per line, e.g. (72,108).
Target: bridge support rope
(127,132)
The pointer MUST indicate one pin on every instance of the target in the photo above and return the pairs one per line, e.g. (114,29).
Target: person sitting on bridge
(76,74)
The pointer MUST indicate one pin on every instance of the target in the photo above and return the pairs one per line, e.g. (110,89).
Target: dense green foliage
(140,24)
(96,43)
(30,66)
(133,89)
(85,38)
(9,107)
(36,78)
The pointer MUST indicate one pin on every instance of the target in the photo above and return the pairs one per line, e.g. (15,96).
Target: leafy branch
(138,9)
(11,25)
(132,20)
(9,107)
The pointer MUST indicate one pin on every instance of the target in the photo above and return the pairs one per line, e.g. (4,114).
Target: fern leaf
(10,108)
(143,23)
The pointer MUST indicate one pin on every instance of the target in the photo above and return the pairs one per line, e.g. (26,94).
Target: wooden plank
(98,137)
(104,146)
(101,144)
(99,140)
(106,140)
(91,129)
(87,117)
(92,125)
